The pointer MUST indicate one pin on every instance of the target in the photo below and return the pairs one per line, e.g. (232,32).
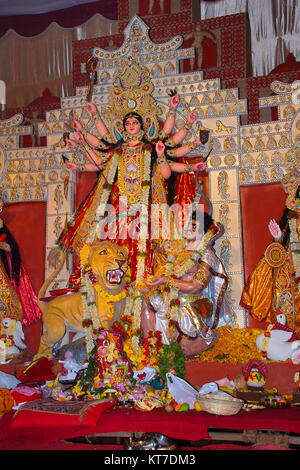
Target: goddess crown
(131,92)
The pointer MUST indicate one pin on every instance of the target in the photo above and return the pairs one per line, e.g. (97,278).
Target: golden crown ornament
(131,93)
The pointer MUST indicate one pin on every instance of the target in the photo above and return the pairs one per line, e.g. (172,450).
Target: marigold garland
(144,200)
(89,282)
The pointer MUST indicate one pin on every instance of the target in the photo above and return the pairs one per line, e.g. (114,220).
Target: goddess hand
(160,148)
(71,143)
(199,166)
(77,124)
(174,101)
(192,117)
(78,137)
(91,107)
(274,229)
(71,166)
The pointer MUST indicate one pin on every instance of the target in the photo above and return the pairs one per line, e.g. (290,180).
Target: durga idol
(134,159)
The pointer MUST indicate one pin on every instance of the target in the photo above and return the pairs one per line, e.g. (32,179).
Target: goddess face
(132,125)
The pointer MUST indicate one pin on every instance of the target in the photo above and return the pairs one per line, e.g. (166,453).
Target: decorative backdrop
(253,122)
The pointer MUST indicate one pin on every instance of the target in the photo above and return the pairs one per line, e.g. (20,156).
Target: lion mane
(109,263)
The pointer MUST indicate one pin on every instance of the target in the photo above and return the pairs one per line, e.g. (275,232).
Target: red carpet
(184,426)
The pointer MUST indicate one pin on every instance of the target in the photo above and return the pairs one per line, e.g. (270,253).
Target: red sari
(147,187)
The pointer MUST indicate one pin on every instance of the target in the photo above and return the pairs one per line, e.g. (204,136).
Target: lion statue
(109,264)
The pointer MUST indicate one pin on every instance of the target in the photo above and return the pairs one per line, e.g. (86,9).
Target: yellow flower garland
(88,287)
(110,171)
(137,303)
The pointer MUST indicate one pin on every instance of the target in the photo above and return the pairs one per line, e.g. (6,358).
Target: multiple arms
(87,140)
(166,167)
(100,126)
(170,120)
(180,135)
(193,287)
(95,162)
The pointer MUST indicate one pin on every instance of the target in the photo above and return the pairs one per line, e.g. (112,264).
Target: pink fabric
(27,296)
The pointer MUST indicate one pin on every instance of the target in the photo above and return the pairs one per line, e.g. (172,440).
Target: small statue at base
(12,339)
(70,369)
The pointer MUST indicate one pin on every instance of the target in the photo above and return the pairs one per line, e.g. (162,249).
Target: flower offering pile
(234,346)
(114,370)
(109,371)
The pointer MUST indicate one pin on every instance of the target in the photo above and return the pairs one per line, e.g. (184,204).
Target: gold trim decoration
(275,255)
(291,181)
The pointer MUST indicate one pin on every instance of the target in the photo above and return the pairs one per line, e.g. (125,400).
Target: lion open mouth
(114,276)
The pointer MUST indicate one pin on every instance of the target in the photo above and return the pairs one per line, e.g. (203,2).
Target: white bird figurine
(280,342)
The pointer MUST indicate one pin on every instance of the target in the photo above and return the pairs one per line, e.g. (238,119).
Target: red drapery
(188,426)
(31,25)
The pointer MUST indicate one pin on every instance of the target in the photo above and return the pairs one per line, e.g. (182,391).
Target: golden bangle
(187,126)
(162,160)
(170,142)
(188,168)
(171,112)
(107,137)
(171,153)
(162,134)
(202,277)
(96,117)
(171,283)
